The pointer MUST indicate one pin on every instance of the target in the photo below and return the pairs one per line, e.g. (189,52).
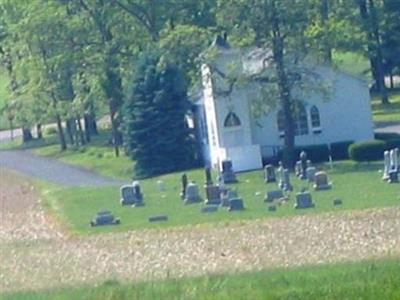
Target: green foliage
(367,151)
(156,134)
(368,280)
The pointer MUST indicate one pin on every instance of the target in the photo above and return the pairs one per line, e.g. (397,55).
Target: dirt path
(36,254)
(52,170)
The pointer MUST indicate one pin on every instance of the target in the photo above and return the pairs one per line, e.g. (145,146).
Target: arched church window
(232,120)
(315,118)
(300,120)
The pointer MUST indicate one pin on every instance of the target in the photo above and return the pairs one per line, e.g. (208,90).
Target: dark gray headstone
(337,201)
(303,200)
(269,174)
(184,183)
(274,195)
(209,208)
(104,218)
(158,218)
(192,194)
(236,204)
(227,174)
(321,181)
(213,194)
(393,176)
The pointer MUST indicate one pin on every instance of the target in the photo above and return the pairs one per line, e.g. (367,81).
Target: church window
(315,119)
(300,121)
(232,120)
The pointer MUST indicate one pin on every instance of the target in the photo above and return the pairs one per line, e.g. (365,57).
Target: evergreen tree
(156,133)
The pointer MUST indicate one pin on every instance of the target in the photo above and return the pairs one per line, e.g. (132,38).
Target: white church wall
(346,116)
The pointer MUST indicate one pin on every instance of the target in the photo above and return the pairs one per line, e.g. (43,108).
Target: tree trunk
(26,134)
(39,132)
(80,130)
(71,129)
(284,91)
(10,120)
(61,134)
(391,80)
(327,49)
(89,120)
(114,133)
(374,46)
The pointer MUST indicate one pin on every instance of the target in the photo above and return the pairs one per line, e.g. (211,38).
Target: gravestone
(104,218)
(137,194)
(386,167)
(160,186)
(280,175)
(213,194)
(311,171)
(227,174)
(393,176)
(158,218)
(287,186)
(131,195)
(236,204)
(393,159)
(303,160)
(184,183)
(321,181)
(297,168)
(192,194)
(230,194)
(127,195)
(207,172)
(269,174)
(274,195)
(209,209)
(303,200)
(337,201)
(397,159)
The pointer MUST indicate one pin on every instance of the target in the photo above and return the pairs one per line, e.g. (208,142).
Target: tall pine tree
(156,134)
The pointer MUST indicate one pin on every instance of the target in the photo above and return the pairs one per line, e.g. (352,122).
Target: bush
(367,151)
(50,131)
(391,144)
(320,153)
(387,136)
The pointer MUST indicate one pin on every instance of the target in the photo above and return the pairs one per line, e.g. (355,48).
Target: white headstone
(386,167)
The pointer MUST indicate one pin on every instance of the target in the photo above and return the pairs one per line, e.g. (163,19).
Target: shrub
(387,136)
(50,131)
(320,153)
(391,144)
(367,151)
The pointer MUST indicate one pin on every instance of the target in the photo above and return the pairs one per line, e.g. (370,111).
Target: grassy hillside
(364,280)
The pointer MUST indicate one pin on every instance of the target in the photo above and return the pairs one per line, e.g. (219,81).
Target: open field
(365,280)
(39,254)
(358,185)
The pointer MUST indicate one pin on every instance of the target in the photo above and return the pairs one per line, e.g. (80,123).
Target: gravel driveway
(52,170)
(35,253)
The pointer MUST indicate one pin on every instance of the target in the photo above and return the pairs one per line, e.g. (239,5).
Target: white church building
(230,126)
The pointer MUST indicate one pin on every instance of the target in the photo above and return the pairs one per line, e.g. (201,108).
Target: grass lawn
(363,280)
(358,185)
(385,113)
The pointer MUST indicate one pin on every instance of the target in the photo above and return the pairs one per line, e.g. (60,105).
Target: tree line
(68,60)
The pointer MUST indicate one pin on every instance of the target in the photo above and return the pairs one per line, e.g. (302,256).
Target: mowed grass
(389,112)
(376,279)
(358,185)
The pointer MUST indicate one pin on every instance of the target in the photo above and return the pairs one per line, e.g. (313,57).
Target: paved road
(52,170)
(388,127)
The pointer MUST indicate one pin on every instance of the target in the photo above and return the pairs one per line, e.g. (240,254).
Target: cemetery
(202,195)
